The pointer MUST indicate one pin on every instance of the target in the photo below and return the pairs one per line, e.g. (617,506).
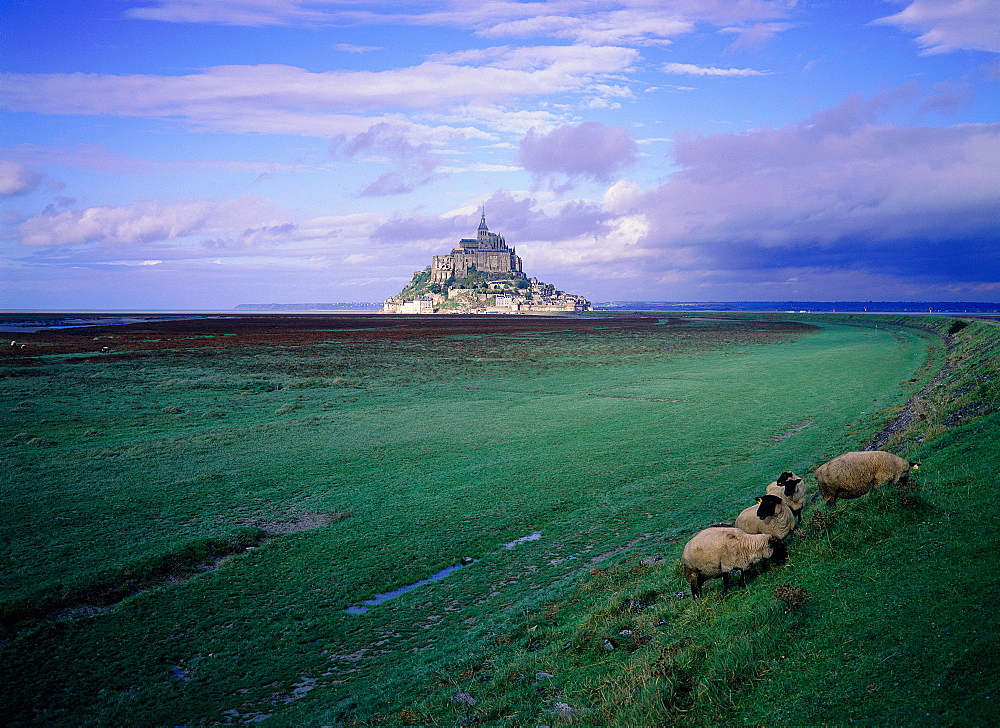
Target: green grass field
(128,479)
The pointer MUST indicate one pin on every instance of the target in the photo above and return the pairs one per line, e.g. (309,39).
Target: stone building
(487,252)
(444,287)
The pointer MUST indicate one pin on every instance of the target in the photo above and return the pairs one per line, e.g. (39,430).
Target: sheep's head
(769,505)
(779,552)
(789,481)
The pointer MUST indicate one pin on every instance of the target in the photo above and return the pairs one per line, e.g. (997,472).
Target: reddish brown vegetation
(285,330)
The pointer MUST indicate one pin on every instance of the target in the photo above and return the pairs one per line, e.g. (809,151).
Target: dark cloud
(835,193)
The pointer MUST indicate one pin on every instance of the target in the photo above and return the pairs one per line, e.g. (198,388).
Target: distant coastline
(780,306)
(915,307)
(353,306)
(26,321)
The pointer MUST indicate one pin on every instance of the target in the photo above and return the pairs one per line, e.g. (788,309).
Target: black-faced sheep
(853,474)
(771,516)
(791,489)
(715,552)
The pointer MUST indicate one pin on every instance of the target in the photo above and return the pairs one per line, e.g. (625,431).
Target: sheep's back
(857,472)
(716,551)
(779,525)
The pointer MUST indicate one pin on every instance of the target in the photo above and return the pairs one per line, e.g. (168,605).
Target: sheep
(771,516)
(714,552)
(853,474)
(791,489)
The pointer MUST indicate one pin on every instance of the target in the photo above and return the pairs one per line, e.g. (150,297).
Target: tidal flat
(193,504)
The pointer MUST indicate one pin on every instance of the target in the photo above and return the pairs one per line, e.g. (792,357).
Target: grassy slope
(896,625)
(608,455)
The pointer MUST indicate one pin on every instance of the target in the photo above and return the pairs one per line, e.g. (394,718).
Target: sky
(201,154)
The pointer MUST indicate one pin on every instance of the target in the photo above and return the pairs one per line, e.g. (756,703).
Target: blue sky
(199,154)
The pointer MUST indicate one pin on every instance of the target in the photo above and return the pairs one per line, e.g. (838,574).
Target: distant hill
(351,306)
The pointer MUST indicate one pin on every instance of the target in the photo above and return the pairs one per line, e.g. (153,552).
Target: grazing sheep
(771,516)
(715,552)
(791,489)
(853,474)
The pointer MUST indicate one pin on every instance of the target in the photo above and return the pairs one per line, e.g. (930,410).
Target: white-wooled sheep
(715,552)
(791,489)
(853,474)
(770,515)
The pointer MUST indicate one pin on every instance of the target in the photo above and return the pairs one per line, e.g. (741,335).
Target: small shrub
(956,326)
(821,521)
(286,408)
(792,596)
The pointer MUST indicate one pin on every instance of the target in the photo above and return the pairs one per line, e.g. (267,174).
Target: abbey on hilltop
(480,275)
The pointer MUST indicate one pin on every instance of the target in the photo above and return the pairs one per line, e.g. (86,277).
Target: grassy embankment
(614,444)
(884,616)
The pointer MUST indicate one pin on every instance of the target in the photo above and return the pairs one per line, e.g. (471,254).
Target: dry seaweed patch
(298,521)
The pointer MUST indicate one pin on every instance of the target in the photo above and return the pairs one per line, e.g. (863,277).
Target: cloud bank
(590,150)
(142,222)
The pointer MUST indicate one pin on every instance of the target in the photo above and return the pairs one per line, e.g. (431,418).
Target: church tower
(484,232)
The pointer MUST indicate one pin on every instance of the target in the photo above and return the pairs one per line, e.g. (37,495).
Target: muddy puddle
(364,606)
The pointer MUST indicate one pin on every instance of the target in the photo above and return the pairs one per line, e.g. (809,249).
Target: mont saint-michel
(481,275)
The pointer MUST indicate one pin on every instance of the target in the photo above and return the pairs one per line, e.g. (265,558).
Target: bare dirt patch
(298,521)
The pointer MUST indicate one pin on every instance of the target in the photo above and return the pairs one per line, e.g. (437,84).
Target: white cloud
(689,69)
(950,25)
(143,222)
(754,36)
(232,12)
(16,179)
(351,48)
(632,26)
(286,99)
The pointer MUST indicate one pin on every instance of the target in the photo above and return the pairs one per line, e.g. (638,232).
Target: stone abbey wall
(486,253)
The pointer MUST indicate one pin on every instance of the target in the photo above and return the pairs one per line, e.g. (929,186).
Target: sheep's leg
(725,582)
(694,580)
(743,580)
